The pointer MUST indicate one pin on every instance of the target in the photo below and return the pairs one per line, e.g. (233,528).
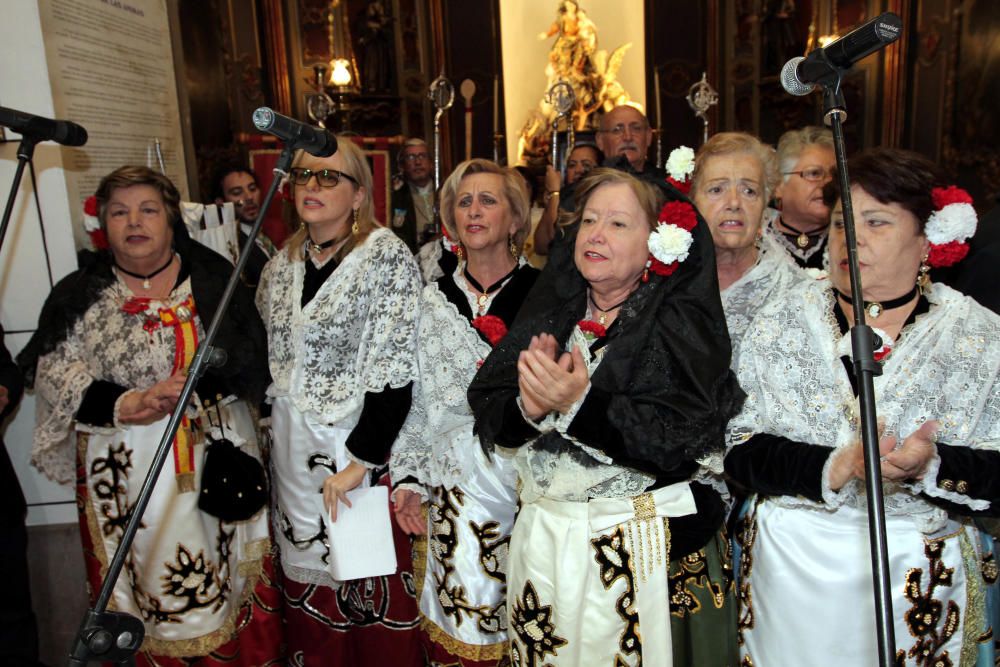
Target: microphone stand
(115,636)
(24,152)
(865,369)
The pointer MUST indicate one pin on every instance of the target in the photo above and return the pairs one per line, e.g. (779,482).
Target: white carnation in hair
(680,163)
(954,222)
(670,243)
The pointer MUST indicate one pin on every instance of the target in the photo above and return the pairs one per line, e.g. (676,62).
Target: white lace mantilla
(357,334)
(773,273)
(428,257)
(944,366)
(105,344)
(567,469)
(436,444)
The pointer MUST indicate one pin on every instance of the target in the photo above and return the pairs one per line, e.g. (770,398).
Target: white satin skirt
(806,592)
(588,581)
(303,455)
(464,594)
(187,572)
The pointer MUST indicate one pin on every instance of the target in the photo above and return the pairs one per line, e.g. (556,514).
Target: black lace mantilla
(666,367)
(241,335)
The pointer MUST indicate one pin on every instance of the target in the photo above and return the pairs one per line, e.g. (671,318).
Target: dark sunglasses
(327,178)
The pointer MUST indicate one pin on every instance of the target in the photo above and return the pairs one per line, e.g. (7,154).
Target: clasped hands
(549,381)
(899,463)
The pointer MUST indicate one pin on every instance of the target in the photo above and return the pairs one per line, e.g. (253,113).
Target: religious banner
(111,70)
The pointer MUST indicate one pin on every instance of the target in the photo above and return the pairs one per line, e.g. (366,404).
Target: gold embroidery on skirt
(458,648)
(977,629)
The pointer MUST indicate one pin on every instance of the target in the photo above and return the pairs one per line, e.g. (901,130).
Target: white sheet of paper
(361,537)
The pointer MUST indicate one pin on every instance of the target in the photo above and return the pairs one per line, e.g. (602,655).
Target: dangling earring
(923,277)
(355,227)
(645,271)
(459,252)
(513,248)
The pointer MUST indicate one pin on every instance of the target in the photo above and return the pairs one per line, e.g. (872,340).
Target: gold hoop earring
(513,248)
(459,252)
(355,227)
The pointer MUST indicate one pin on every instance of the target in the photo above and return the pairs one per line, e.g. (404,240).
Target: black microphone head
(263,118)
(865,40)
(790,78)
(70,134)
(324,146)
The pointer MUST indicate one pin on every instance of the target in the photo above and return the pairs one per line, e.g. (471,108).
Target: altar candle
(496,104)
(656,95)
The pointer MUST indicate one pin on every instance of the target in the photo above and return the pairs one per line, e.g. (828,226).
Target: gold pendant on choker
(145,284)
(874,309)
(802,241)
(481,300)
(602,319)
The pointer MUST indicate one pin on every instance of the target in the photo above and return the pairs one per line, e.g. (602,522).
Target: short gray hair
(792,143)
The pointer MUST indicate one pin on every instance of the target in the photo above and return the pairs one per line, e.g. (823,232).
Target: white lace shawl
(944,366)
(105,344)
(428,257)
(773,272)
(436,444)
(357,334)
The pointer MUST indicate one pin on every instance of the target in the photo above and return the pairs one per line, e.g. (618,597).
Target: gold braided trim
(185,482)
(178,648)
(418,552)
(976,624)
(479,652)
(255,552)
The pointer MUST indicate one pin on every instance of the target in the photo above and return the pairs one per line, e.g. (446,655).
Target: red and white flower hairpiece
(92,225)
(670,241)
(680,166)
(952,222)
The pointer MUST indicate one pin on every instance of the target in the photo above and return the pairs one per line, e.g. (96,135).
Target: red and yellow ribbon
(181,319)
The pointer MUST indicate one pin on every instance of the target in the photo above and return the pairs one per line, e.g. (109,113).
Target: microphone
(800,75)
(311,139)
(43,129)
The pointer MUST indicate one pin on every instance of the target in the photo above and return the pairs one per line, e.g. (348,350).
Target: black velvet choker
(876,308)
(314,247)
(802,240)
(145,279)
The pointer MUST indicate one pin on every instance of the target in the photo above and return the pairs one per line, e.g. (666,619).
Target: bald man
(624,132)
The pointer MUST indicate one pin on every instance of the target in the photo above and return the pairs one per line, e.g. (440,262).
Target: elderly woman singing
(108,362)
(796,443)
(609,391)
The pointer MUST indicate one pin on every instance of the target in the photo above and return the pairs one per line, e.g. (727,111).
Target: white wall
(24,277)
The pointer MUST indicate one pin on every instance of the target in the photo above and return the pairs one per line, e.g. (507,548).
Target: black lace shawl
(666,368)
(241,334)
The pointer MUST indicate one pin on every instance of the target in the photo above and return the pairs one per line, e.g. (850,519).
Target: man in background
(412,215)
(236,184)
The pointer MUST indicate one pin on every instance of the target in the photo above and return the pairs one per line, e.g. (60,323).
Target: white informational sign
(111,70)
(361,543)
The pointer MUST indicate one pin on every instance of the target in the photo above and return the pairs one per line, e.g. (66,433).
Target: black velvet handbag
(233,483)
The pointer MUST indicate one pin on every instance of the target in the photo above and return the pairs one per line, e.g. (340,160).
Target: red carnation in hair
(596,329)
(947,254)
(661,269)
(683,186)
(949,195)
(90,206)
(99,239)
(490,326)
(678,213)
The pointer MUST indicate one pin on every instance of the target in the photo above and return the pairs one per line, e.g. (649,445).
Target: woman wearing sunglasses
(340,306)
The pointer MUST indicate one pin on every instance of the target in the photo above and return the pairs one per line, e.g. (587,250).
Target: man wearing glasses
(624,135)
(413,199)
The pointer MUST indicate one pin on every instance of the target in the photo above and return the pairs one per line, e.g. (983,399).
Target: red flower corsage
(490,326)
(670,241)
(98,237)
(90,206)
(949,226)
(683,186)
(592,330)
